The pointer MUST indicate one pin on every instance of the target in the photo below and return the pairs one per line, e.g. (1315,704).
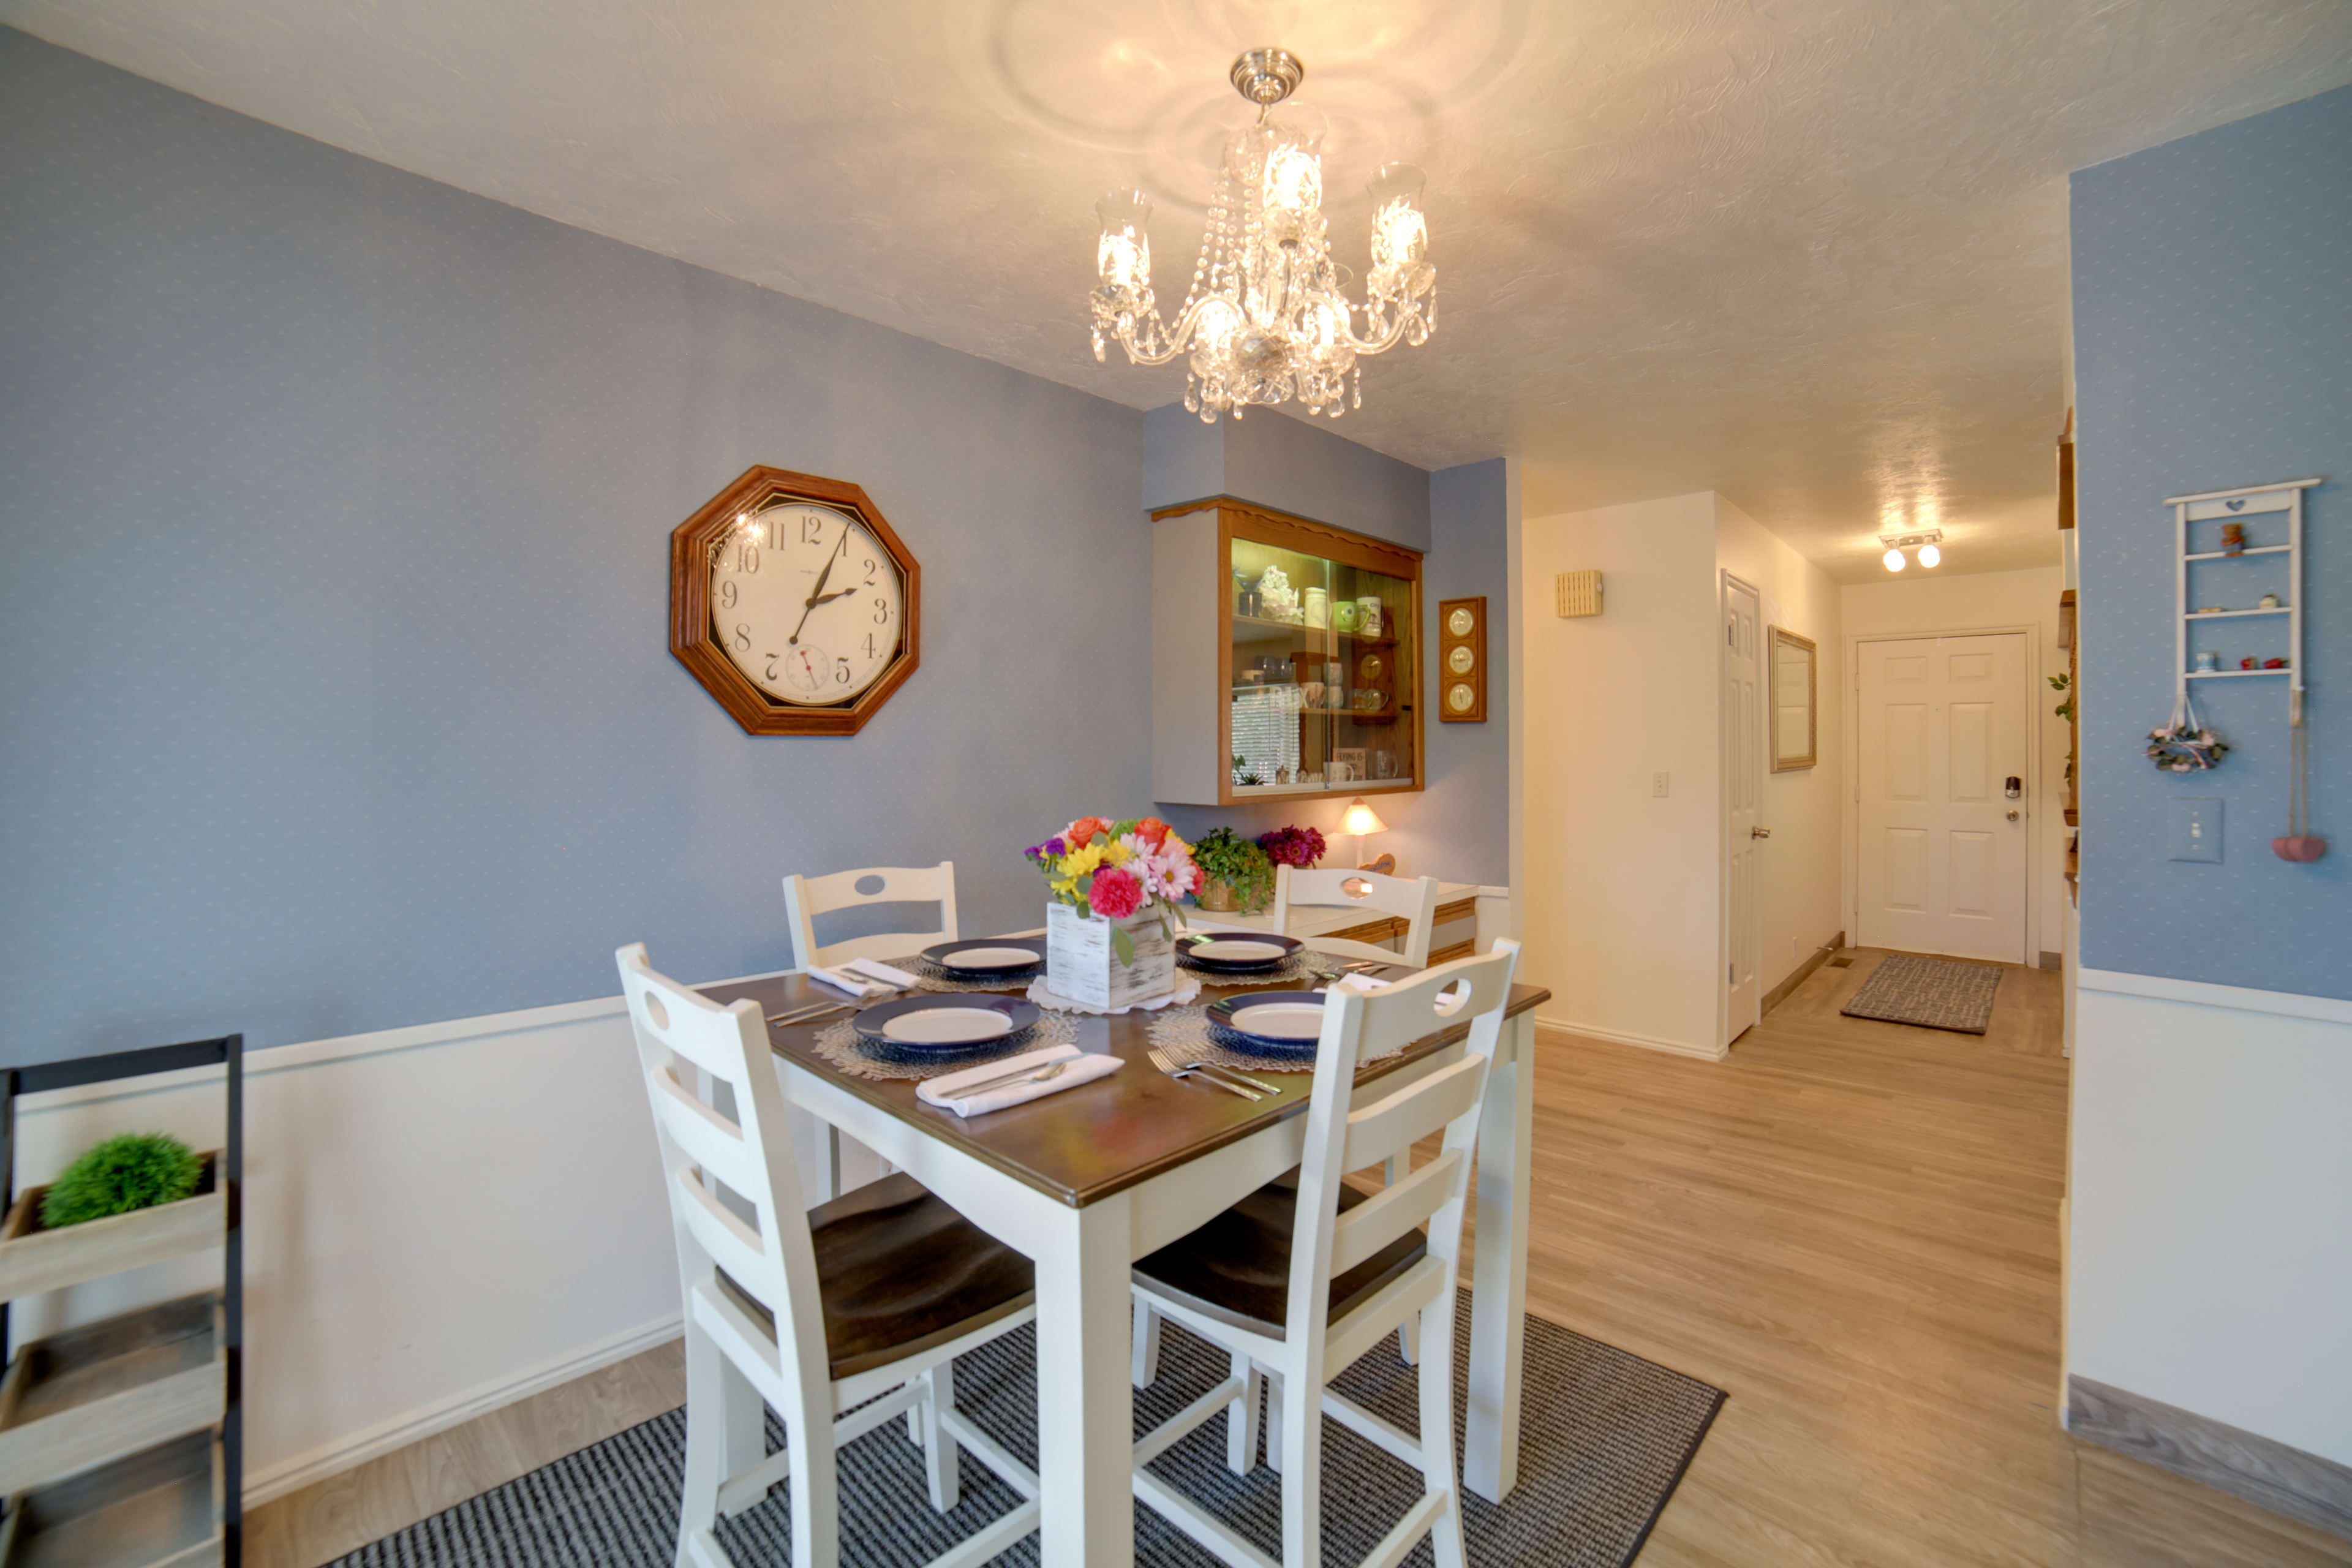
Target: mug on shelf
(1318,607)
(2209,659)
(1367,614)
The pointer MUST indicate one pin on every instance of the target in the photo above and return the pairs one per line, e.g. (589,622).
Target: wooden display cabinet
(1315,690)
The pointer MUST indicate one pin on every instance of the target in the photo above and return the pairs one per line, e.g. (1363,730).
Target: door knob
(1767,833)
(2012,816)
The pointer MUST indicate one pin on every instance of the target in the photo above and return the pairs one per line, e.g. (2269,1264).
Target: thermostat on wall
(1579,593)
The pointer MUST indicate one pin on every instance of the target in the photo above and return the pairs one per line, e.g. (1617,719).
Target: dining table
(1085,1181)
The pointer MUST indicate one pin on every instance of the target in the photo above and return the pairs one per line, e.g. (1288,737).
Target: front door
(1743,787)
(1943,807)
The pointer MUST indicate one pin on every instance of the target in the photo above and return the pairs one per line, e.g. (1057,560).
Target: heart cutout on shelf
(2238,505)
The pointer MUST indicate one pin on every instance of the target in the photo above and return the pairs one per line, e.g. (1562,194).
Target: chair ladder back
(1419,1005)
(1412,899)
(1379,1219)
(770,1258)
(805,897)
(1395,1123)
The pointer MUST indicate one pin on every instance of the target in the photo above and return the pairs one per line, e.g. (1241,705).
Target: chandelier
(1267,320)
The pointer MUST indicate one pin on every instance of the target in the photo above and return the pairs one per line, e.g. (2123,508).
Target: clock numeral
(747,558)
(871,651)
(841,671)
(812,528)
(742,637)
(881,612)
(775,531)
(772,658)
(869,573)
(728,595)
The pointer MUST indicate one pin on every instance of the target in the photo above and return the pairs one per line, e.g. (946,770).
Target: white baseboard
(389,1436)
(1647,1042)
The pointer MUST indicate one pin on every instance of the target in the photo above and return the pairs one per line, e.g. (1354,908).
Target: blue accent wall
(335,692)
(1288,464)
(2213,349)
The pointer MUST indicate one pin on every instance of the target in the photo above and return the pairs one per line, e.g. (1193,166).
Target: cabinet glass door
(1323,674)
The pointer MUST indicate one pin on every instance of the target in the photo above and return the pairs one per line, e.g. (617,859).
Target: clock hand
(823,578)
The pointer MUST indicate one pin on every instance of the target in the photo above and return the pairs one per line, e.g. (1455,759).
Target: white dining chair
(1413,900)
(858,1306)
(1306,1274)
(805,897)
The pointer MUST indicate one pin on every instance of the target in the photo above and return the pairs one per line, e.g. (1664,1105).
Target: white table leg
(1498,1290)
(1085,1404)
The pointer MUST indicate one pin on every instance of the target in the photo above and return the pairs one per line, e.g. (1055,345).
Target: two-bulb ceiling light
(1267,320)
(1925,542)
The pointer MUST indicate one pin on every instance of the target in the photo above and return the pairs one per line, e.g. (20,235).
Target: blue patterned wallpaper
(2213,349)
(334,510)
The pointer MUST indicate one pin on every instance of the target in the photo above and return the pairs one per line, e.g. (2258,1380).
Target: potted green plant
(1240,878)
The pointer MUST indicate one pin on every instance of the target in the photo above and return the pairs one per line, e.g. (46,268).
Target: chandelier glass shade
(1267,319)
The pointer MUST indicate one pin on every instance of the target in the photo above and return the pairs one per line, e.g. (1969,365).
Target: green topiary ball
(134,1171)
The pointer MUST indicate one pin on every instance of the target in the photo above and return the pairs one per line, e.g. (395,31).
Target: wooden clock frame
(1477,643)
(691,544)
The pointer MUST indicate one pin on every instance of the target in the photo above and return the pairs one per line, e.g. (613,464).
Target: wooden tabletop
(1085,1144)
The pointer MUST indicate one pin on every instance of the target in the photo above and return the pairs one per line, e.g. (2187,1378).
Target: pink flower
(1116,895)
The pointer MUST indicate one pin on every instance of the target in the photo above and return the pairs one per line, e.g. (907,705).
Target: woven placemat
(1188,1032)
(839,1044)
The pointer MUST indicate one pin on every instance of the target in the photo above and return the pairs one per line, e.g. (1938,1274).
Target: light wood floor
(1850,1227)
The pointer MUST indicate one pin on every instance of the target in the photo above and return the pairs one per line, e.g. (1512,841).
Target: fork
(1166,1064)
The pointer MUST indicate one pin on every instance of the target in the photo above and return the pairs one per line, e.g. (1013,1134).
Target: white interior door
(1743,789)
(1942,743)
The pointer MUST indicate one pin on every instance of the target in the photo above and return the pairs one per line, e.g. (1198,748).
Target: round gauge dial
(1460,660)
(1460,622)
(1370,669)
(1460,697)
(806,603)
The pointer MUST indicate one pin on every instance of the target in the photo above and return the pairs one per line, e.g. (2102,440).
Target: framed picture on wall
(1795,691)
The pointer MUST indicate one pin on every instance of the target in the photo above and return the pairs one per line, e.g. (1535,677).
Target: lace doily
(1188,985)
(929,976)
(1188,1033)
(839,1043)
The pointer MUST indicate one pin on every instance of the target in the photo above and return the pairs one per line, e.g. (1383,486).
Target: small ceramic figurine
(2270,602)
(2274,664)
(2209,659)
(2250,662)
(1275,597)
(2233,538)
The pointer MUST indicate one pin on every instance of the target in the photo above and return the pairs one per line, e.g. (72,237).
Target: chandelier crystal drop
(1267,319)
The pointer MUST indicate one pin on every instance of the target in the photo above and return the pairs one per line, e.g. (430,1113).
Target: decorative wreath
(2183,745)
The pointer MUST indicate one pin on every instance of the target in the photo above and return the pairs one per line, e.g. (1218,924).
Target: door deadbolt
(2014,788)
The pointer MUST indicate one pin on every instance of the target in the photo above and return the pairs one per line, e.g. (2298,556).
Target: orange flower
(1152,831)
(1081,833)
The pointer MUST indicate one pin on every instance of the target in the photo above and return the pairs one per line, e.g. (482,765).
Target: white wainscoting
(2209,1201)
(438,1220)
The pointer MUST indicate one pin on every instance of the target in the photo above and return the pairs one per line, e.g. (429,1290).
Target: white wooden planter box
(1081,965)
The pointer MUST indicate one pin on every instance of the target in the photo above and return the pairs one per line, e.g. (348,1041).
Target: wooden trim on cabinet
(1309,537)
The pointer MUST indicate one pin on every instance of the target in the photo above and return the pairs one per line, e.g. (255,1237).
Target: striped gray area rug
(1934,993)
(1606,1439)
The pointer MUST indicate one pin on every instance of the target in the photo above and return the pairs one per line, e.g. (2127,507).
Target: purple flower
(1055,846)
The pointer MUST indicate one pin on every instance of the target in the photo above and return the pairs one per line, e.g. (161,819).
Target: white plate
(993,958)
(1280,1021)
(1237,950)
(948,1025)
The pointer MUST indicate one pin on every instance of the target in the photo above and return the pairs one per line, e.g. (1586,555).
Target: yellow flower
(1119,852)
(1078,863)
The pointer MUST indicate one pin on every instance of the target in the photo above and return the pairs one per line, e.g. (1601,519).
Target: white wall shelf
(2246,504)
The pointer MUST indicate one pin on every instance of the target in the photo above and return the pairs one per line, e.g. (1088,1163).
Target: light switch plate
(1659,784)
(2194,830)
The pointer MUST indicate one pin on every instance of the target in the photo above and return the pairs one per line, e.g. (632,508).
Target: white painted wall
(1921,604)
(2209,1202)
(1620,889)
(1804,882)
(438,1220)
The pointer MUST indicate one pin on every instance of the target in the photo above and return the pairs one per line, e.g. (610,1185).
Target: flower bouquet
(1115,888)
(1298,847)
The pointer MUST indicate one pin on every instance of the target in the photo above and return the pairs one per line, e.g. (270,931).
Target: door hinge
(1732,973)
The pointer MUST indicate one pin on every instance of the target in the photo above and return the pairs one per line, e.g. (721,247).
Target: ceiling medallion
(1266,320)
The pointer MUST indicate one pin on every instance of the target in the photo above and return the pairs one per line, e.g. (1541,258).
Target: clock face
(807,604)
(1460,622)
(1370,669)
(1460,660)
(1460,697)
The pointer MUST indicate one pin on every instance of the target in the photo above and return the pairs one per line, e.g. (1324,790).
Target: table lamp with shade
(1362,821)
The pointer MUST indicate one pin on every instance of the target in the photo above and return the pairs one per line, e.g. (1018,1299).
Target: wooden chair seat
(900,1272)
(1236,1267)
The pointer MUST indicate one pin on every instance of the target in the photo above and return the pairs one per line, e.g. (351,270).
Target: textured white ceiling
(1809,253)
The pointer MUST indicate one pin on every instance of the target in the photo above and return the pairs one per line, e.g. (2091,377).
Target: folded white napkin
(946,1090)
(840,980)
(875,969)
(1365,982)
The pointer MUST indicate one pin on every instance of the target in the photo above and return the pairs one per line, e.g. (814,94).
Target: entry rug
(1934,993)
(1606,1439)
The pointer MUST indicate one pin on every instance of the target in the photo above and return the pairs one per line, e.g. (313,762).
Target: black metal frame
(228,1176)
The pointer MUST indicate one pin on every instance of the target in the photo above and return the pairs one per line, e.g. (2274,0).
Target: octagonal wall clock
(794,603)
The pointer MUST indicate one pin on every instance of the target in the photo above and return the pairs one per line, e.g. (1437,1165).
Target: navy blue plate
(987,958)
(1014,1043)
(1250,1047)
(899,1027)
(1190,946)
(1286,1020)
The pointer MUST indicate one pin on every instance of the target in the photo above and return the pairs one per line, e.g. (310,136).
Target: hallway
(1852,1227)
